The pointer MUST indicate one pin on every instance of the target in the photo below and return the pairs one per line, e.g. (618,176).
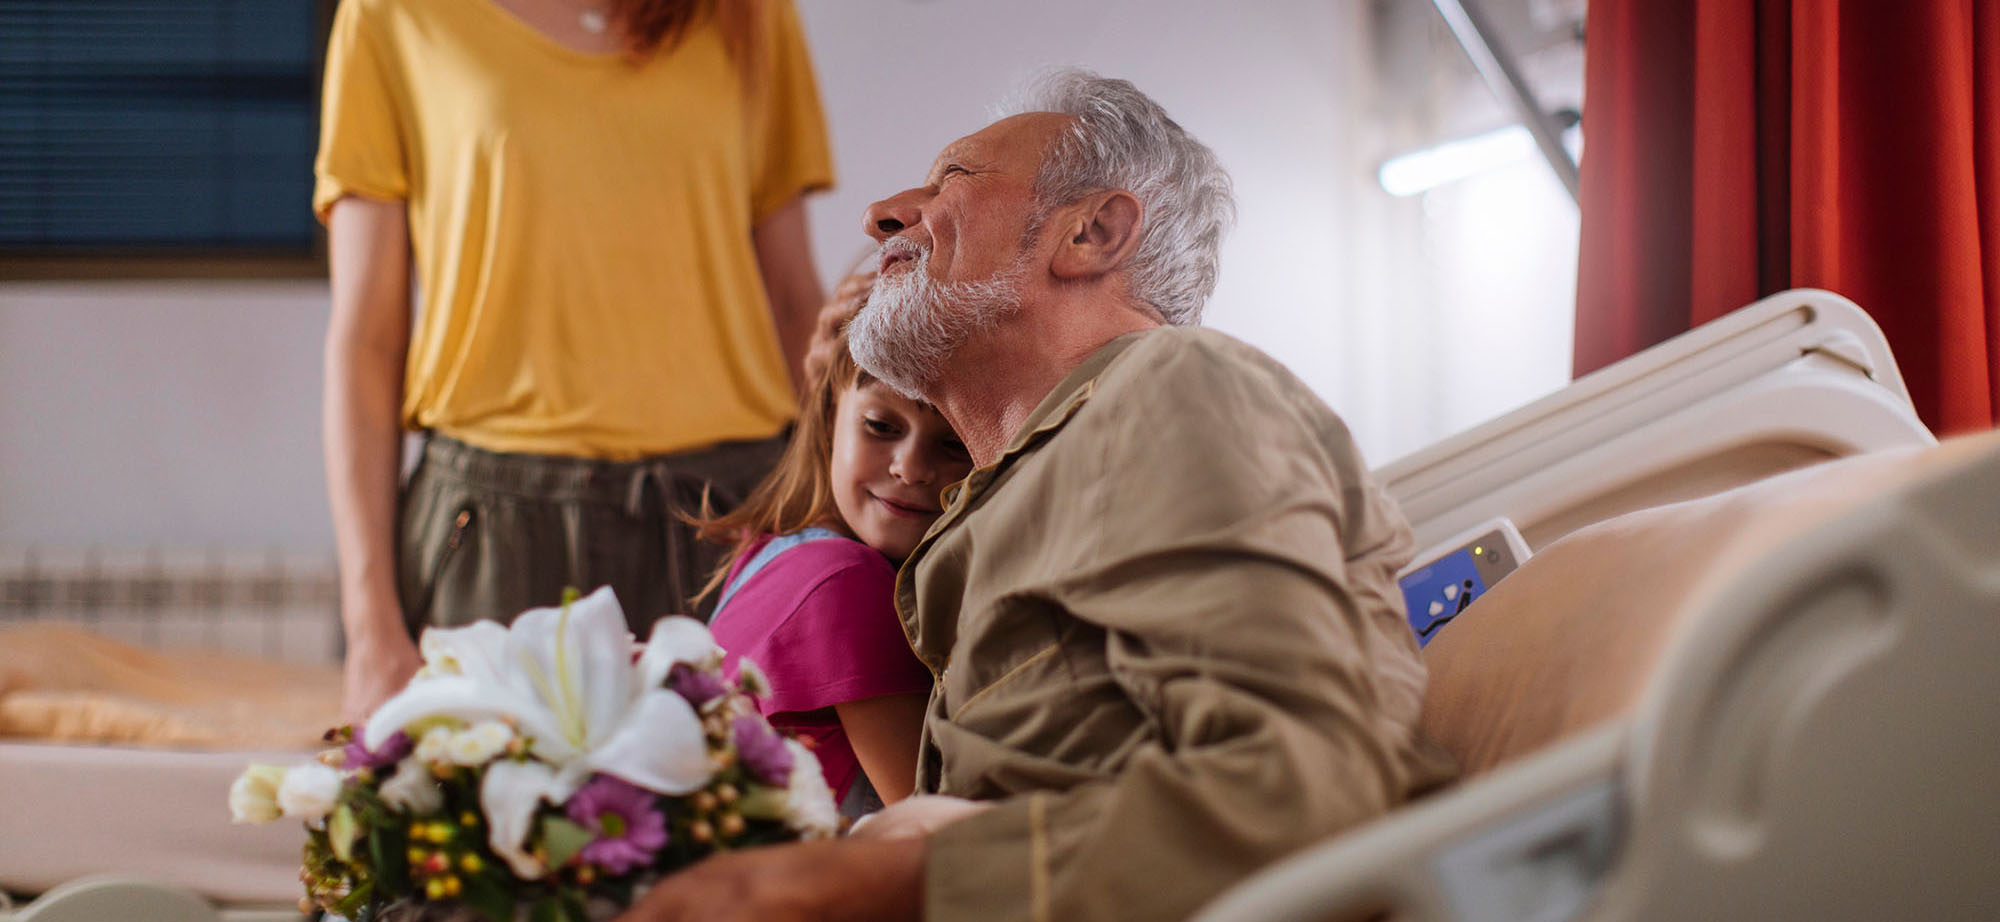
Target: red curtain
(1736,148)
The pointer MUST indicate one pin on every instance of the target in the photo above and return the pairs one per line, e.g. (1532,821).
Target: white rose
(308,791)
(478,744)
(412,788)
(253,798)
(809,807)
(435,746)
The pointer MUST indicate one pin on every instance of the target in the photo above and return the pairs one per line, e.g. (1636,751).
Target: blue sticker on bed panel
(1437,593)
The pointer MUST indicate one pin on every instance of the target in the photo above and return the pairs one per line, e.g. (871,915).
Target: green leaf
(355,899)
(386,851)
(763,802)
(547,909)
(564,839)
(341,832)
(487,897)
(572,902)
(565,905)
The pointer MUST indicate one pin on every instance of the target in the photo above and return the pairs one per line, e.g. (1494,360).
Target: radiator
(270,603)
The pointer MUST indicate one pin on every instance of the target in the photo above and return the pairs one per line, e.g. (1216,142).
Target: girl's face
(892,458)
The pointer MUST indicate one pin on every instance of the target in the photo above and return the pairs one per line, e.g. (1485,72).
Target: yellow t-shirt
(580,223)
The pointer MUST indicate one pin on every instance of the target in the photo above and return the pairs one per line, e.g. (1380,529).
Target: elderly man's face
(954,259)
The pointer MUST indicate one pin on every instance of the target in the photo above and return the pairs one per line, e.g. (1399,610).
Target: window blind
(157,125)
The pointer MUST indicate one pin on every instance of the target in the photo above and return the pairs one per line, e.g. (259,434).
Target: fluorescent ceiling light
(1422,170)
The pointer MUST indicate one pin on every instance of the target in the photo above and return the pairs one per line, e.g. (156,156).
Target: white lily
(477,650)
(675,640)
(564,676)
(509,795)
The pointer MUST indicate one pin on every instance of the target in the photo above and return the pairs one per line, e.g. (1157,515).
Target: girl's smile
(892,458)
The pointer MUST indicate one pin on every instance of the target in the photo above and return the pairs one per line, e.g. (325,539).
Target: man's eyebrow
(966,156)
(944,161)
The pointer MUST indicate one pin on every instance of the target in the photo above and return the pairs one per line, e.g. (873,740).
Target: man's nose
(886,218)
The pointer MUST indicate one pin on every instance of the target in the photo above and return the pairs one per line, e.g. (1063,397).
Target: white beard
(912,323)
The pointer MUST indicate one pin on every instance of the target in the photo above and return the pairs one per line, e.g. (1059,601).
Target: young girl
(808,591)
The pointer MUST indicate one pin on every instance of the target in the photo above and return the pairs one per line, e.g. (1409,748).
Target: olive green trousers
(485,535)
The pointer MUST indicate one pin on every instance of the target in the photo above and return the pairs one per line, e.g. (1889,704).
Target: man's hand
(848,298)
(375,670)
(846,879)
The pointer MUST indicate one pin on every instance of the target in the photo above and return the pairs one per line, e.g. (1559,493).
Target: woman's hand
(367,342)
(376,670)
(848,298)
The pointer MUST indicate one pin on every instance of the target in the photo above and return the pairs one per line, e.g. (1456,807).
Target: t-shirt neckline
(534,36)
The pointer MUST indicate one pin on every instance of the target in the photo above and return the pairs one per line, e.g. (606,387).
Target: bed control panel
(1445,579)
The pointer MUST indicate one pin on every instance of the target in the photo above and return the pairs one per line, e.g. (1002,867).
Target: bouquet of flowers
(542,771)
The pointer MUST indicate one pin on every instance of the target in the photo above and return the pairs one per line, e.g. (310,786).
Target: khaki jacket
(1167,640)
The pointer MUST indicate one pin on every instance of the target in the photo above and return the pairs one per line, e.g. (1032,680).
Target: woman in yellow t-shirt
(602,204)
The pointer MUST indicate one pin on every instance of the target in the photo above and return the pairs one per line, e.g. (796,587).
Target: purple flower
(355,755)
(629,826)
(762,750)
(698,686)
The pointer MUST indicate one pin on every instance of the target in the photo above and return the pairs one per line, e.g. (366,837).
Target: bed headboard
(268,603)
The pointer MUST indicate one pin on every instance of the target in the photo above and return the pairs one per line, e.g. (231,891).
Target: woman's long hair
(657,25)
(798,492)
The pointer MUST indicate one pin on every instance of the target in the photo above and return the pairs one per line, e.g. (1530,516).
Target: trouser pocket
(436,524)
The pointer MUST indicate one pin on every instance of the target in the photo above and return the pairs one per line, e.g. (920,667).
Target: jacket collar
(1055,410)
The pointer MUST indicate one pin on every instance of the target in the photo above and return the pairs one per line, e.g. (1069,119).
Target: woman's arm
(367,341)
(885,733)
(784,257)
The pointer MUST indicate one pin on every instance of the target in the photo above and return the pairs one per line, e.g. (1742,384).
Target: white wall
(1276,87)
(144,413)
(187,413)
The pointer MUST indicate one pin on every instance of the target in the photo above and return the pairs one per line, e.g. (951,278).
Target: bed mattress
(67,811)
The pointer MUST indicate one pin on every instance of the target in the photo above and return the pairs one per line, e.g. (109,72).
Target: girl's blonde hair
(798,492)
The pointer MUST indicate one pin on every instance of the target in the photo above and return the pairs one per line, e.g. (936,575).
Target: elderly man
(1161,611)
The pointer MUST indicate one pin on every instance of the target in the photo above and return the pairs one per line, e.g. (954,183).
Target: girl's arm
(367,339)
(784,258)
(885,733)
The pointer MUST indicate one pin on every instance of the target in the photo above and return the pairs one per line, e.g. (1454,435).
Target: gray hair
(1122,139)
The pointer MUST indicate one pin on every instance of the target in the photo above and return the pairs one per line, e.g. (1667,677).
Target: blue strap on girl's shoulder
(764,556)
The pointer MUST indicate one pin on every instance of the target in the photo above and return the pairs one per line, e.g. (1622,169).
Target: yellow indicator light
(1478,550)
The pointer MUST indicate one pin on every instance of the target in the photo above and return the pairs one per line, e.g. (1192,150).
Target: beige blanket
(61,683)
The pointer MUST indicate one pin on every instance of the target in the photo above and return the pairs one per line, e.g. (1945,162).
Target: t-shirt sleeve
(789,151)
(361,149)
(842,643)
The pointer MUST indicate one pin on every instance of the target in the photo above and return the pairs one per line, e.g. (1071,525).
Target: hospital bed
(1571,799)
(1771,698)
(134,687)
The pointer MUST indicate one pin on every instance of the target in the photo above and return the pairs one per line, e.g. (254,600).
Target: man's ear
(1102,233)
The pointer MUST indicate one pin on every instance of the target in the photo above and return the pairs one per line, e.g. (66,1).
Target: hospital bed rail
(1796,378)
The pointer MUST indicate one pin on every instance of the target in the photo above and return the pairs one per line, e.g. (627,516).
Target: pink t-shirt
(820,620)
